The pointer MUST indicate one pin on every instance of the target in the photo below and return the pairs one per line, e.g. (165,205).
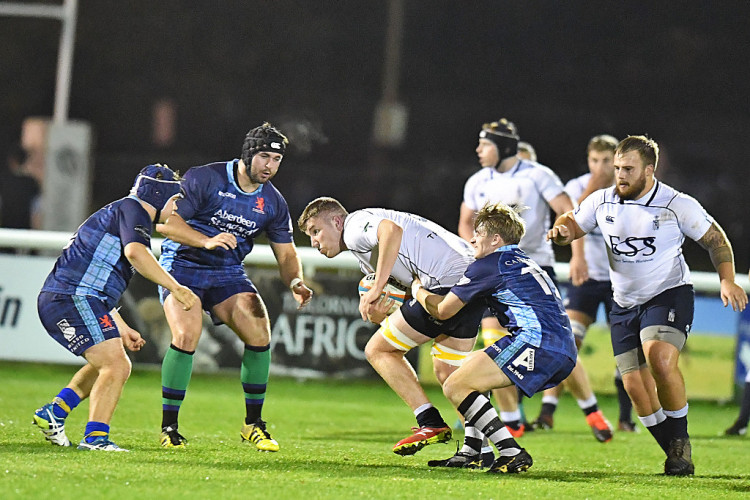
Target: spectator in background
(19,193)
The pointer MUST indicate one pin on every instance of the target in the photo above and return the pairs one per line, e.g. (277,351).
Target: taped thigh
(664,333)
(630,361)
(448,355)
(396,337)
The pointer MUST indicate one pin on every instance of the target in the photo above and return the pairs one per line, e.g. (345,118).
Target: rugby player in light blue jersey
(225,206)
(538,353)
(77,304)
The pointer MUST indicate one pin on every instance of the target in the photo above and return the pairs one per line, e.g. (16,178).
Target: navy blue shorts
(673,308)
(464,325)
(76,322)
(531,369)
(587,297)
(213,285)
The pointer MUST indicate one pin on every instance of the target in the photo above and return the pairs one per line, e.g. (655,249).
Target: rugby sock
(65,402)
(429,416)
(95,430)
(626,406)
(677,426)
(256,366)
(511,418)
(480,413)
(588,406)
(657,426)
(175,377)
(472,441)
(744,416)
(549,405)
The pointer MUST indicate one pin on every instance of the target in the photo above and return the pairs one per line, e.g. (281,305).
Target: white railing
(54,241)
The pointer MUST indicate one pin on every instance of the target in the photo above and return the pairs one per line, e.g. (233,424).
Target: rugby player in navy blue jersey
(78,299)
(225,206)
(538,353)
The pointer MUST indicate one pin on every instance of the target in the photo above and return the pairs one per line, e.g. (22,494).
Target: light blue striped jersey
(522,297)
(93,262)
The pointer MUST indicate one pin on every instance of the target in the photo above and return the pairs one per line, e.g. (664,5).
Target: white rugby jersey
(644,238)
(437,256)
(529,184)
(595,250)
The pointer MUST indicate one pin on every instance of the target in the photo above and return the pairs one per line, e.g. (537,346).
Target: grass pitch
(336,440)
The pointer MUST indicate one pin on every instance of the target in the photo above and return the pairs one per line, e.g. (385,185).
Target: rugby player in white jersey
(401,245)
(644,223)
(508,177)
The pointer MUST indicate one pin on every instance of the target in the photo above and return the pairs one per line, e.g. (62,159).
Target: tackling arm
(440,307)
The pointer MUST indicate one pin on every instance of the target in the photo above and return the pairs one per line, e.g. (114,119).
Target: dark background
(676,71)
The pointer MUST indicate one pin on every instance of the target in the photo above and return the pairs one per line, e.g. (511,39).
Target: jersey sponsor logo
(632,245)
(260,204)
(525,359)
(227,195)
(145,232)
(68,331)
(235,224)
(106,323)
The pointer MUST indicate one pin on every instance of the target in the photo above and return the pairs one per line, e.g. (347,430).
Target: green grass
(336,439)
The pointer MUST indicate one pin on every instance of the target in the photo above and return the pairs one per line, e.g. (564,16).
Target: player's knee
(453,387)
(630,361)
(442,371)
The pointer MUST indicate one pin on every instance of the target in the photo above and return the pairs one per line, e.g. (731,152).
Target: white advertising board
(22,337)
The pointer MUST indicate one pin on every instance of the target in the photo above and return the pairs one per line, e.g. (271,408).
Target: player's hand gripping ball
(393,289)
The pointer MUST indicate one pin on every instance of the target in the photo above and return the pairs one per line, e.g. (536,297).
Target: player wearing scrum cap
(644,223)
(402,245)
(225,206)
(77,304)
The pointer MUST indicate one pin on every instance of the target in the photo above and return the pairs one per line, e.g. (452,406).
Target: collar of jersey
(230,176)
(505,248)
(646,199)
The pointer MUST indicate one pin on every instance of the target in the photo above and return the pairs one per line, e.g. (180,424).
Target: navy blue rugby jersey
(522,297)
(93,262)
(213,203)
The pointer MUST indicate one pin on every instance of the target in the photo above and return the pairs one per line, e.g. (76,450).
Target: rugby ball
(393,289)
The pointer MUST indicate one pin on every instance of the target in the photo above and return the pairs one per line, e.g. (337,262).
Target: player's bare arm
(565,230)
(290,269)
(389,241)
(131,338)
(176,229)
(440,307)
(717,244)
(466,222)
(145,263)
